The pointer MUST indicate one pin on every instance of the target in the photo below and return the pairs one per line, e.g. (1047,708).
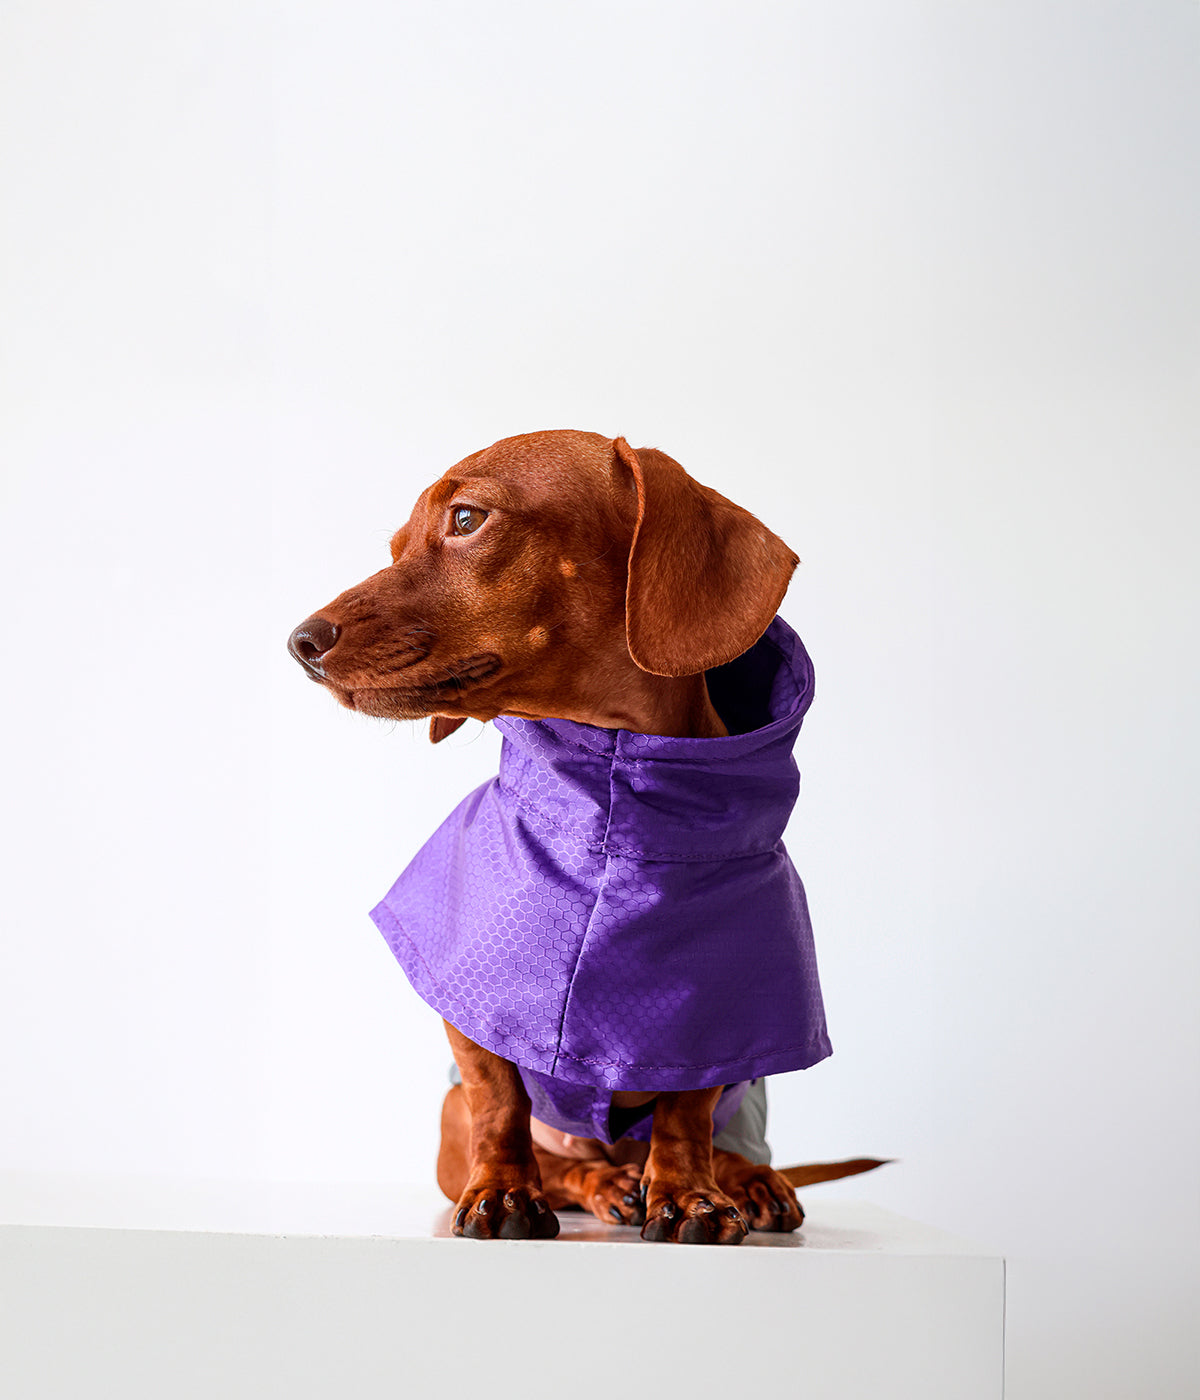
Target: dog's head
(533,572)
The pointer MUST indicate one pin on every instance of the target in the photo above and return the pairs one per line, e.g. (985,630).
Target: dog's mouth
(418,697)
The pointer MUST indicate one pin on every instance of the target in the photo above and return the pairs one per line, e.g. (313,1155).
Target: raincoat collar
(663,798)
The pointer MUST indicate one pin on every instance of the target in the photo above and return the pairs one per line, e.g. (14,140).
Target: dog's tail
(830,1171)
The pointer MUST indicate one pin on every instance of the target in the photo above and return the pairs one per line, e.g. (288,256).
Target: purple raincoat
(616,911)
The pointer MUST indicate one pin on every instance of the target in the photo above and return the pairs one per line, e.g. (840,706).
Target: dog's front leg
(683,1201)
(503,1196)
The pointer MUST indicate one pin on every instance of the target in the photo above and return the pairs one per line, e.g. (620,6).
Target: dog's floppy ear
(440,727)
(705,577)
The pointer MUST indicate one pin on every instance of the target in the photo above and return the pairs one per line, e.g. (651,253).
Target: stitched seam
(812,1043)
(558,1050)
(534,810)
(678,858)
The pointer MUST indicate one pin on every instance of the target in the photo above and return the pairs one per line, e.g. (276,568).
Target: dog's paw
(613,1194)
(497,1213)
(765,1199)
(684,1215)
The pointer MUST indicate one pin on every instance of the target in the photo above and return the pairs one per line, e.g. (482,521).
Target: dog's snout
(311,641)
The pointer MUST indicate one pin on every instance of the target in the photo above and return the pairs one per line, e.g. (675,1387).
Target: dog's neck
(678,707)
(620,695)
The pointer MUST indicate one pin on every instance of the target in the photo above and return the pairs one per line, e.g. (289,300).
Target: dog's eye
(465,520)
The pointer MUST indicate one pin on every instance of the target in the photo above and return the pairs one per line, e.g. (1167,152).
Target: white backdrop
(915,282)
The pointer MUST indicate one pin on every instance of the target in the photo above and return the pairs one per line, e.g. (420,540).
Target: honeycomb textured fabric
(616,911)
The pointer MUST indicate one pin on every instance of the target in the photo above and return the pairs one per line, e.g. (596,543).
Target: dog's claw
(694,1219)
(514,1214)
(636,1205)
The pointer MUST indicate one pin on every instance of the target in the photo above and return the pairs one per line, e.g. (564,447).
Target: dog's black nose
(310,641)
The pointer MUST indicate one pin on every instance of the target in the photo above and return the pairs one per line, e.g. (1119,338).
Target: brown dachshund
(541,578)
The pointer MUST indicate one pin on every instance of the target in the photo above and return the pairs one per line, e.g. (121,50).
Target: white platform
(113,1287)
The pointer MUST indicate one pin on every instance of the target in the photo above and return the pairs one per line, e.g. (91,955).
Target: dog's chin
(385,704)
(445,693)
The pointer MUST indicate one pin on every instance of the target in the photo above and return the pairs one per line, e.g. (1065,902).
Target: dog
(596,601)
